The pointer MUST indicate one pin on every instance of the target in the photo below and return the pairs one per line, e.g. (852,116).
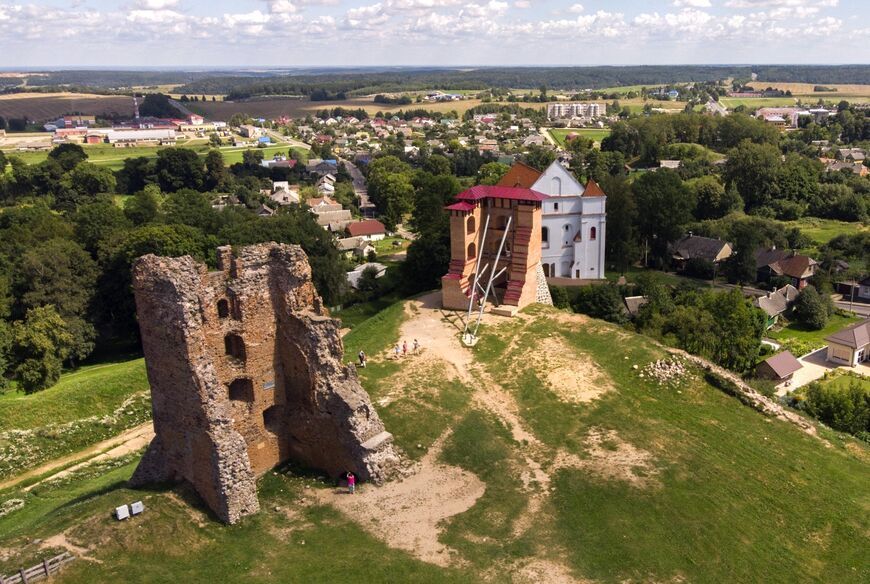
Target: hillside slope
(546,453)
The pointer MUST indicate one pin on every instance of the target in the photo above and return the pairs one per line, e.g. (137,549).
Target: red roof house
(370,229)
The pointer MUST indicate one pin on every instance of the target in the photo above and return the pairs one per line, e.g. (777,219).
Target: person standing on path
(362,359)
(351,483)
(398,349)
(416,346)
(404,348)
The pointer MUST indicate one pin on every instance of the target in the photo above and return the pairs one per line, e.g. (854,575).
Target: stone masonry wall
(245,371)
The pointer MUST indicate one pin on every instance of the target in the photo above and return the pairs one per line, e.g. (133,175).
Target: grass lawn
(111,157)
(822,231)
(796,336)
(841,380)
(86,406)
(594,134)
(686,484)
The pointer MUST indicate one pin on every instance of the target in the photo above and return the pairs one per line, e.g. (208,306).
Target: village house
(779,262)
(368,229)
(851,345)
(779,368)
(695,247)
(776,303)
(357,247)
(284,193)
(249,131)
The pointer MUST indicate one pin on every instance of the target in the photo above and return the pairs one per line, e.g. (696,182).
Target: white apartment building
(556,111)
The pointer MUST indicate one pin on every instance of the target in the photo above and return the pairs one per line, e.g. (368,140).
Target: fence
(39,571)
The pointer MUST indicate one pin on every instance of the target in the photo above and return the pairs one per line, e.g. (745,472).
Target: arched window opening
(242,390)
(235,346)
(556,185)
(501,222)
(545,237)
(272,419)
(471,225)
(592,234)
(472,251)
(223,307)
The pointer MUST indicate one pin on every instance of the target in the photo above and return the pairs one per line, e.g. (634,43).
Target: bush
(560,297)
(847,410)
(603,301)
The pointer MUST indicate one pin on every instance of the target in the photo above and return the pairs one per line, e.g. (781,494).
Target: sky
(291,33)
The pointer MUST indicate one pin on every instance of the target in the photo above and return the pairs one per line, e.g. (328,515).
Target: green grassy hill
(593,471)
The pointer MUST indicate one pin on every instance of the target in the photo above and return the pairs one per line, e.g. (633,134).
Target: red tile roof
(367,227)
(460,206)
(520,175)
(496,192)
(593,190)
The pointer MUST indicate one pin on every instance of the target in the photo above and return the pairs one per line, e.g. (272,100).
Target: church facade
(574,221)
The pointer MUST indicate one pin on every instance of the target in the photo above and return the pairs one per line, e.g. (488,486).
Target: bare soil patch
(47,106)
(407,514)
(573,376)
(611,458)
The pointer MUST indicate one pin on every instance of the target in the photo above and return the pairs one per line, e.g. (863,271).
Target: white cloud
(692,3)
(576,8)
(282,7)
(156,4)
(522,4)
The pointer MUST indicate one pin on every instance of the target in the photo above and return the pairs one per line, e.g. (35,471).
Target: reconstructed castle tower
(245,371)
(474,246)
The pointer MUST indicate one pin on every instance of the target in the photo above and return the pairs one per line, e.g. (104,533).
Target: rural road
(124,443)
(360,188)
(858,308)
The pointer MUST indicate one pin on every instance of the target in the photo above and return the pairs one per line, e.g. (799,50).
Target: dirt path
(124,443)
(406,513)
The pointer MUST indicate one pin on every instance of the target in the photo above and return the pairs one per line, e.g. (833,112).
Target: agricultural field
(274,108)
(594,134)
(563,464)
(755,103)
(43,107)
(806,89)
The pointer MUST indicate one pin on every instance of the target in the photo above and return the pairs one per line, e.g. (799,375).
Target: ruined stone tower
(245,371)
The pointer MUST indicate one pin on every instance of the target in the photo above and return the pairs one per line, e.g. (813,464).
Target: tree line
(66,246)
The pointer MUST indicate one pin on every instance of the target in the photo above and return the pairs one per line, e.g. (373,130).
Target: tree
(491,172)
(368,284)
(712,199)
(810,309)
(41,343)
(664,207)
(252,158)
(216,175)
(89,180)
(746,238)
(437,164)
(754,169)
(144,206)
(3,162)
(97,221)
(179,168)
(136,174)
(59,273)
(68,155)
(215,140)
(539,157)
(621,250)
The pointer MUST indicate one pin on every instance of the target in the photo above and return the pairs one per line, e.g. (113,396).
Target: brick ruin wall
(245,371)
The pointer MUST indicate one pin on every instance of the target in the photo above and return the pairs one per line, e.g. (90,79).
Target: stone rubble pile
(664,371)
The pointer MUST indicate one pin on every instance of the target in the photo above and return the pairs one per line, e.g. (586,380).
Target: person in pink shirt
(351,483)
(404,347)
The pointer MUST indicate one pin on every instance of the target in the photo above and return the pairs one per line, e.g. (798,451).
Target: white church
(574,221)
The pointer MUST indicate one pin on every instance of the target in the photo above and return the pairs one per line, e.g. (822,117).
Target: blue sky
(430,32)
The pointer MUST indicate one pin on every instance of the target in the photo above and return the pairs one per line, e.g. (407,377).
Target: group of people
(400,350)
